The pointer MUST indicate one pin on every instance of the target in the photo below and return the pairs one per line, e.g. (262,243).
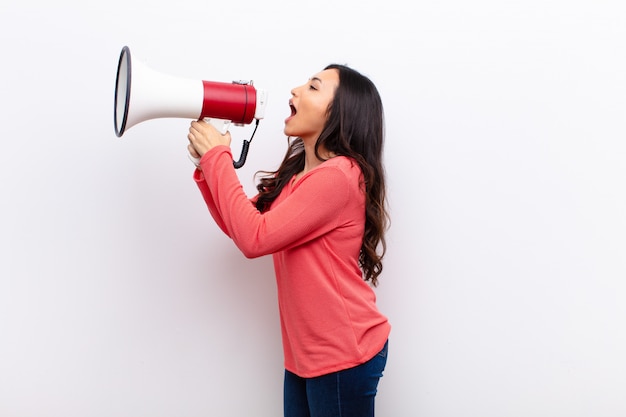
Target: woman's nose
(294,91)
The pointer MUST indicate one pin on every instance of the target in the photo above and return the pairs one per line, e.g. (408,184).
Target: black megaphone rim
(119,130)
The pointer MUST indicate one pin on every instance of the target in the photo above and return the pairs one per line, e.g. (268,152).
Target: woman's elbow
(250,251)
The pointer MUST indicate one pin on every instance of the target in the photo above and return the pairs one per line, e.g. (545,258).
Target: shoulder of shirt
(335,168)
(344,163)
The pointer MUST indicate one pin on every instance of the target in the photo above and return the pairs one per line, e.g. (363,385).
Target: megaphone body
(142,93)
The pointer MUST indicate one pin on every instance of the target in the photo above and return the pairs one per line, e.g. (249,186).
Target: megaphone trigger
(220,124)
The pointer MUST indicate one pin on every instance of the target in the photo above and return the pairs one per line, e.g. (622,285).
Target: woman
(322,215)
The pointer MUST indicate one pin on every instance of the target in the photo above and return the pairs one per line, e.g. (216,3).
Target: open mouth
(293,112)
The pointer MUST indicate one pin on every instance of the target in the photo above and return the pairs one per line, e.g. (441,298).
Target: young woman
(322,215)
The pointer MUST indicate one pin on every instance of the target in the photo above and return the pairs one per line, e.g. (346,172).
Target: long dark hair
(354,128)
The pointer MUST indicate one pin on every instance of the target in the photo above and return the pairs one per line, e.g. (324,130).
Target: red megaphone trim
(229,101)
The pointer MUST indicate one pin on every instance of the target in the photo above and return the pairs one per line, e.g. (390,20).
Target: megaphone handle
(222,127)
(196,161)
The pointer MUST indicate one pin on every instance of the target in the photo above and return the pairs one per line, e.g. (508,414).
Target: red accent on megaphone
(226,101)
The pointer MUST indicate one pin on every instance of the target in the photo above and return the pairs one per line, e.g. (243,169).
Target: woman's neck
(311,160)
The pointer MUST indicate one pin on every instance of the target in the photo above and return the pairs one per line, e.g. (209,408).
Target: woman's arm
(314,207)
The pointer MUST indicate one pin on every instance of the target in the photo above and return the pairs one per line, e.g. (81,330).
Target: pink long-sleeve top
(314,229)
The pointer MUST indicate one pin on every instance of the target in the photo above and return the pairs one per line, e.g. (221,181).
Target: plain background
(506,148)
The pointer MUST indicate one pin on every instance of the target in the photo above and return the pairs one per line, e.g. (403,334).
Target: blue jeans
(347,393)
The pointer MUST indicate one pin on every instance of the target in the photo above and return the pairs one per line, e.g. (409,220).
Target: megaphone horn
(142,93)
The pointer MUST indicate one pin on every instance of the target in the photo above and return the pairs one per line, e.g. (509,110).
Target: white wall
(506,149)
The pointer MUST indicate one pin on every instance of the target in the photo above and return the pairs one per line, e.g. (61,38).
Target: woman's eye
(312,87)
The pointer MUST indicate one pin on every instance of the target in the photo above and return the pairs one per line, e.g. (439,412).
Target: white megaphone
(143,94)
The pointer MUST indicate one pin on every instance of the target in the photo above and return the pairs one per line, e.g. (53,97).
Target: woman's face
(309,104)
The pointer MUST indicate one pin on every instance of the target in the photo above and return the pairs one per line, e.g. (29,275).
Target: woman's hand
(203,137)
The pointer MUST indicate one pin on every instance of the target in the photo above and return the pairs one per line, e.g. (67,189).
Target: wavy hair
(354,128)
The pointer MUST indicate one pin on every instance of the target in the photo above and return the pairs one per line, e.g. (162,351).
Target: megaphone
(142,93)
